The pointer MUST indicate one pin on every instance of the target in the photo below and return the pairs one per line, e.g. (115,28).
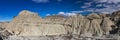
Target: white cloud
(47,14)
(70,14)
(102,10)
(86,5)
(108,1)
(108,6)
(66,14)
(77,11)
(61,13)
(41,1)
(101,1)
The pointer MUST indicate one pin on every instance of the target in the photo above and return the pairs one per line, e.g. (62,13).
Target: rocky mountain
(31,24)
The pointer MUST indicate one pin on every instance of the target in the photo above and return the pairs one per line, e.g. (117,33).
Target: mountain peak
(26,12)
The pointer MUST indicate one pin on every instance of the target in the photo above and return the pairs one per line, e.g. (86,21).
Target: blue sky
(10,8)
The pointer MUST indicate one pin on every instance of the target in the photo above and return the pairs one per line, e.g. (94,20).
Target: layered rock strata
(30,24)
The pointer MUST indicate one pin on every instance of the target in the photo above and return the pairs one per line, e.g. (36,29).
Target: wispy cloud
(64,13)
(102,6)
(108,1)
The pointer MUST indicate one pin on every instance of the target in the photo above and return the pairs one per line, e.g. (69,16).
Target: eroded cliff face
(30,24)
(115,17)
(92,24)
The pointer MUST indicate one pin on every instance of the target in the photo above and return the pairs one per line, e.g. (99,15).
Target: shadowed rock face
(115,17)
(30,24)
(4,33)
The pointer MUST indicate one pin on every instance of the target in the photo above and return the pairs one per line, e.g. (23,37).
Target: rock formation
(93,24)
(30,24)
(4,33)
(115,17)
(106,25)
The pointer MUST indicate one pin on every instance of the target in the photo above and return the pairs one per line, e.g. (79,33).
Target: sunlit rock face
(23,22)
(55,19)
(81,25)
(93,24)
(75,23)
(29,24)
(107,25)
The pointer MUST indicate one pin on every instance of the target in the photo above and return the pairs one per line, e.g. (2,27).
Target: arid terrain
(28,25)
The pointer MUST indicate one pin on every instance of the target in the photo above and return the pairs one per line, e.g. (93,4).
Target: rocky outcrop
(92,24)
(30,24)
(115,17)
(4,33)
(79,24)
(75,23)
(106,25)
(23,21)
